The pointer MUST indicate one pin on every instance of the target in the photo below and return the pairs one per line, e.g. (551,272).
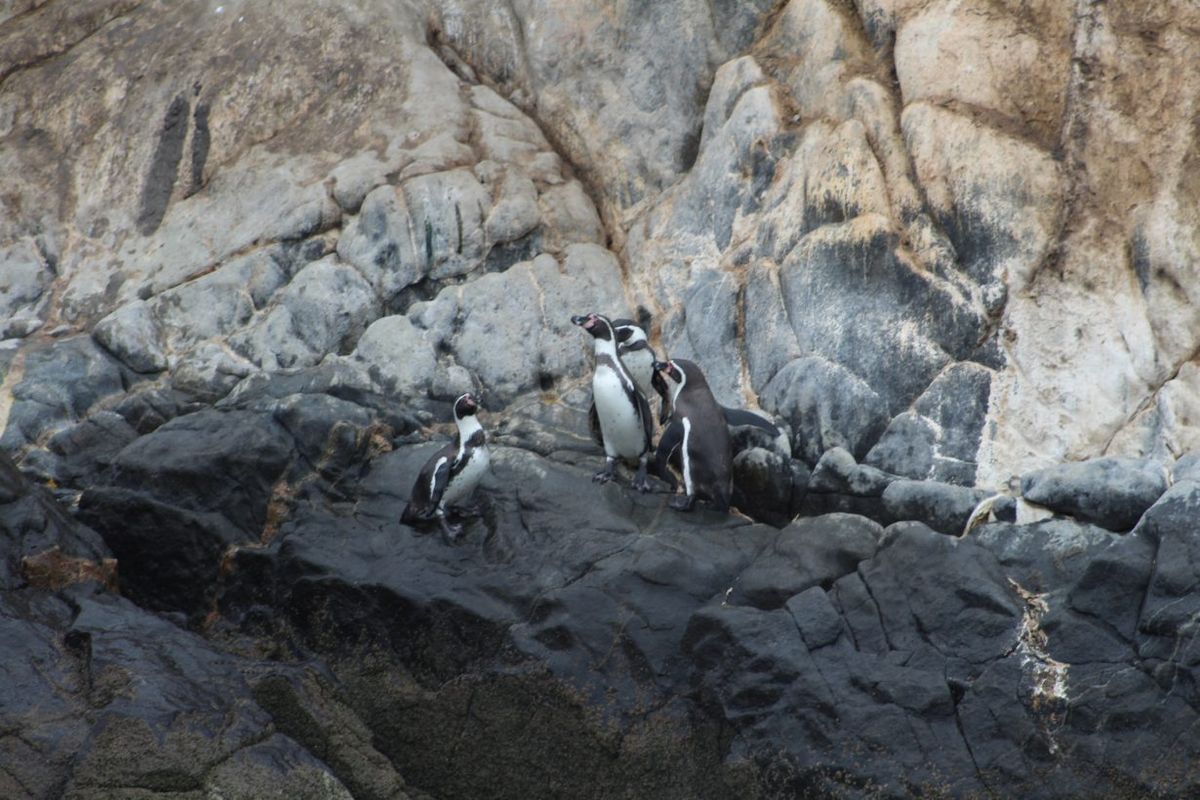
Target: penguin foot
(603,476)
(685,502)
(469,510)
(642,484)
(450,530)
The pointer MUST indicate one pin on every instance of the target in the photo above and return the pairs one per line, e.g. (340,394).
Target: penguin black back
(699,433)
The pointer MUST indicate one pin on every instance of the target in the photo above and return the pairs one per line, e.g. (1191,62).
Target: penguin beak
(585,322)
(668,368)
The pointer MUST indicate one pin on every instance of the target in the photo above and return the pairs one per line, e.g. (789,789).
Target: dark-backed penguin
(622,413)
(698,432)
(451,474)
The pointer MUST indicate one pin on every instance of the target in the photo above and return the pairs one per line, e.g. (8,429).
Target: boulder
(132,334)
(827,407)
(1112,492)
(942,506)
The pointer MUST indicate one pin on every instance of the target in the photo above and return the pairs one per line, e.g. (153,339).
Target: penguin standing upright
(622,413)
(638,356)
(699,432)
(452,473)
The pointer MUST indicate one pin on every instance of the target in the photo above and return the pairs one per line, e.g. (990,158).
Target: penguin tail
(412,515)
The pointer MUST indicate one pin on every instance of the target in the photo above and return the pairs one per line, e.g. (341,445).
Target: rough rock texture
(945,244)
(1111,492)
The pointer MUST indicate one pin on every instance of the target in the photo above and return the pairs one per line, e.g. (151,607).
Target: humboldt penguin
(698,432)
(638,357)
(451,474)
(622,413)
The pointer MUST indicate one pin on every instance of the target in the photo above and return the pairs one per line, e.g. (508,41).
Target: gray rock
(1111,492)
(62,380)
(513,331)
(398,355)
(132,334)
(1171,605)
(1187,468)
(447,211)
(942,506)
(827,407)
(706,332)
(24,279)
(322,311)
(209,372)
(837,472)
(895,357)
(516,211)
(383,244)
(219,303)
(939,438)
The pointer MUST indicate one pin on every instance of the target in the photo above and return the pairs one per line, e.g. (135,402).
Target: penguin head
(672,370)
(465,406)
(627,331)
(596,324)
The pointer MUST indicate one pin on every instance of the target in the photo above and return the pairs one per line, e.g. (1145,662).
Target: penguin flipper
(647,421)
(594,425)
(439,481)
(660,386)
(737,417)
(668,444)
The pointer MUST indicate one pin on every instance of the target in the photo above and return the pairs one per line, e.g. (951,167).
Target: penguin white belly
(620,424)
(464,483)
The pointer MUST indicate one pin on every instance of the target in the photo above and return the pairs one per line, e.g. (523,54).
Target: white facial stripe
(678,386)
(687,463)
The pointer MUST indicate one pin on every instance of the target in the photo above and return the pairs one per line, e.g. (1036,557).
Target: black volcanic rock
(102,699)
(1111,492)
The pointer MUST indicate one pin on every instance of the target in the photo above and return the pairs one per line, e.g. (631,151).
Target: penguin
(622,413)
(452,473)
(638,357)
(734,417)
(699,433)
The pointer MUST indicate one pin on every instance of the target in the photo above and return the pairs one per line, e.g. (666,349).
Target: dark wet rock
(1172,600)
(62,380)
(765,484)
(150,406)
(87,447)
(942,506)
(1111,492)
(103,699)
(178,497)
(809,552)
(31,523)
(827,406)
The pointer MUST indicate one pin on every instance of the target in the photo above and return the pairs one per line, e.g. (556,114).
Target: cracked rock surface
(250,253)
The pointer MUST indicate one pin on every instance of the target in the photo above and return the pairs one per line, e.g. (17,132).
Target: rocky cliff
(250,252)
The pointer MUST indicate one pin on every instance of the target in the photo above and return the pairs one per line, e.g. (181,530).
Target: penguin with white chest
(638,357)
(622,413)
(451,474)
(698,432)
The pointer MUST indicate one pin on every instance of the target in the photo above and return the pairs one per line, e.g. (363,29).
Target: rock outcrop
(249,254)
